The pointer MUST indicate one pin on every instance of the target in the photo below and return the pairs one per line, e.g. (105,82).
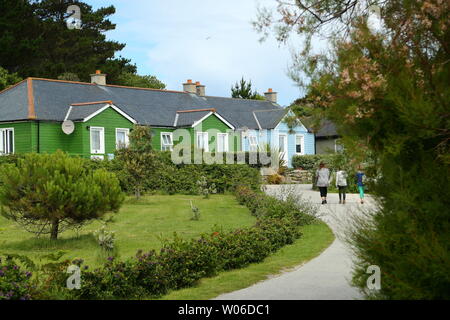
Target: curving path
(325,277)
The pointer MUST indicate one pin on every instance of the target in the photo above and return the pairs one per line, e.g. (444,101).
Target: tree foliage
(138,158)
(7,79)
(36,42)
(387,90)
(135,80)
(243,90)
(49,193)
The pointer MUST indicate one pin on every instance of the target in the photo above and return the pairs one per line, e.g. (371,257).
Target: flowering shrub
(15,284)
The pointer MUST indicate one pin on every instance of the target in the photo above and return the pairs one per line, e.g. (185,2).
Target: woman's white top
(341,178)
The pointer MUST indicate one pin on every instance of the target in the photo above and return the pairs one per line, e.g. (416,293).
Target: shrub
(48,193)
(15,284)
(115,279)
(240,247)
(186,261)
(274,179)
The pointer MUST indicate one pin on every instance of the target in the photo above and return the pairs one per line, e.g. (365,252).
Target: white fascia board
(223,120)
(68,113)
(289,114)
(218,116)
(201,120)
(113,107)
(257,121)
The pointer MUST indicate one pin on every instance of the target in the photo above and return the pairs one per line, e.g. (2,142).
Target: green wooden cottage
(93,119)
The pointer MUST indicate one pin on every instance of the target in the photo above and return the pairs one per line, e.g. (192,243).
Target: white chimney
(189,86)
(99,78)
(271,95)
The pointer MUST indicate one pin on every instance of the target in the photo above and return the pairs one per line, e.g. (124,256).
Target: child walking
(341,184)
(360,178)
(323,181)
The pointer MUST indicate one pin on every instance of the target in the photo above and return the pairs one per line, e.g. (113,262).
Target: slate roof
(81,112)
(269,119)
(14,102)
(240,111)
(187,119)
(50,100)
(327,129)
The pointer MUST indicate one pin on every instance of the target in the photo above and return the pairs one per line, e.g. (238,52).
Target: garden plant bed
(316,238)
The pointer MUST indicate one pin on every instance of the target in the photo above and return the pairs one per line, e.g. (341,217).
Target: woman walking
(360,178)
(323,181)
(341,184)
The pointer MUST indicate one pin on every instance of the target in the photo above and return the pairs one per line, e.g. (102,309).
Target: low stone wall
(299,176)
(292,176)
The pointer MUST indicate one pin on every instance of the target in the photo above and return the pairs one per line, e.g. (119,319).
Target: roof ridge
(197,110)
(30,93)
(91,103)
(279,109)
(107,85)
(13,86)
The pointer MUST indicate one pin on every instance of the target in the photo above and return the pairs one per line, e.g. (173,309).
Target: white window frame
(164,146)
(205,140)
(285,146)
(101,150)
(225,146)
(127,139)
(7,143)
(302,144)
(252,147)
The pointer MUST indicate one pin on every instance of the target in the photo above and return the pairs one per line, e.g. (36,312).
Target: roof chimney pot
(189,86)
(98,78)
(271,95)
(201,89)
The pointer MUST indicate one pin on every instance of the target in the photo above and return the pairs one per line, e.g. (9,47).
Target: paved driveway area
(325,277)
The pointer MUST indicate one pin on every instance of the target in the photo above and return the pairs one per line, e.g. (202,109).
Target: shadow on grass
(80,242)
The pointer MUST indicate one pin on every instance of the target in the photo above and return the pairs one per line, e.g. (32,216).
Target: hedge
(170,178)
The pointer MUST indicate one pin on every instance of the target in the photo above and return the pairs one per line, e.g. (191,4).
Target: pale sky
(204,40)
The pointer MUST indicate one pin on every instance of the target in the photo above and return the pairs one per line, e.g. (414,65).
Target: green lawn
(139,225)
(142,224)
(316,238)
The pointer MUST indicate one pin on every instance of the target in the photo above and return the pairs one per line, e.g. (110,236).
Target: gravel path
(325,277)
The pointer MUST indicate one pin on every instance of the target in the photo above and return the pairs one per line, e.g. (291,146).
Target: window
(338,147)
(202,141)
(222,142)
(252,143)
(122,140)
(166,141)
(6,141)
(97,140)
(299,144)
